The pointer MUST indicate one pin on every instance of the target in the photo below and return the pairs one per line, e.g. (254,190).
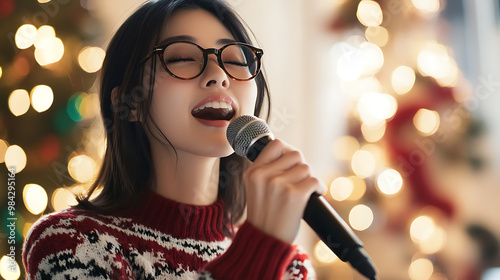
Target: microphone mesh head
(243,131)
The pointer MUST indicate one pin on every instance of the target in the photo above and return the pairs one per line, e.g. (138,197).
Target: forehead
(197,23)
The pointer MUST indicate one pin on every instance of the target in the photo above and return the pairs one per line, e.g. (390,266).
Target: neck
(191,179)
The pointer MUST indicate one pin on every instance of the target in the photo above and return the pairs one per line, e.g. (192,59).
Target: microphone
(248,135)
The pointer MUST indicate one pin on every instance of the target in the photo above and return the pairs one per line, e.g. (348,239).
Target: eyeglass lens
(186,60)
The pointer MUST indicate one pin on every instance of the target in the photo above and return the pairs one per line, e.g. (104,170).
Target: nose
(214,75)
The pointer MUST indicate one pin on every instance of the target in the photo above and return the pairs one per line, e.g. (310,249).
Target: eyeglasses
(186,60)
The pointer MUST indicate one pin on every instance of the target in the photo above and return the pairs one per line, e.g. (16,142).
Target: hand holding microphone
(281,190)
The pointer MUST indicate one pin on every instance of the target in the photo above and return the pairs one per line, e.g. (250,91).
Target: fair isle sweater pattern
(79,244)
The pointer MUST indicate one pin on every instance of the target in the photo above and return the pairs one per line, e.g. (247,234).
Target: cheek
(168,106)
(247,95)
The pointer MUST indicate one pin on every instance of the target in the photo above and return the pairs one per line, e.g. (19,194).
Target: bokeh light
(403,79)
(349,63)
(435,61)
(52,50)
(361,217)
(35,198)
(341,188)
(373,133)
(81,168)
(91,58)
(73,107)
(62,198)
(422,228)
(344,147)
(363,163)
(89,106)
(434,242)
(426,6)
(15,158)
(26,229)
(3,149)
(377,35)
(323,254)
(359,188)
(25,36)
(426,121)
(9,268)
(374,107)
(1,72)
(19,102)
(44,35)
(41,98)
(369,13)
(421,269)
(372,57)
(378,153)
(389,182)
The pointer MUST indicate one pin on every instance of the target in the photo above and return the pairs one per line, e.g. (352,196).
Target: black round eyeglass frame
(159,50)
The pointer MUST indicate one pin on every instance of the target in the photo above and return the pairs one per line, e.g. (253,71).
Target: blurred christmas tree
(409,130)
(47,73)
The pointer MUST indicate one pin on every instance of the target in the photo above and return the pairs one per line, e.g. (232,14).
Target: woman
(175,74)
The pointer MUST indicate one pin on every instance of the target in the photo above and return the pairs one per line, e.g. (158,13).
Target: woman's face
(184,109)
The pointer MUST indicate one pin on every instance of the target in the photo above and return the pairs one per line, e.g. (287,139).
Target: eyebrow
(188,38)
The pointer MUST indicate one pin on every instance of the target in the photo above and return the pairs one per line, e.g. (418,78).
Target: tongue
(214,114)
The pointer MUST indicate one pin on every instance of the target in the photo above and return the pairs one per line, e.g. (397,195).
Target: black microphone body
(319,214)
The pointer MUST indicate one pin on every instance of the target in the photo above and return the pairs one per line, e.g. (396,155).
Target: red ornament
(6,8)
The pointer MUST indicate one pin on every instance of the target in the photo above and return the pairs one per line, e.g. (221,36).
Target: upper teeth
(215,105)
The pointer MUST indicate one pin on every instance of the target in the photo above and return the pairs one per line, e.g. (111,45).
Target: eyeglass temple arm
(149,55)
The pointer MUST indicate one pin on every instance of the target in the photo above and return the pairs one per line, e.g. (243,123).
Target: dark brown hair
(127,166)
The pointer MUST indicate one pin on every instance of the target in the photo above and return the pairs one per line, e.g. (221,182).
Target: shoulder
(51,229)
(77,243)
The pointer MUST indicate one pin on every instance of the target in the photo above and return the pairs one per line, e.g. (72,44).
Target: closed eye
(179,59)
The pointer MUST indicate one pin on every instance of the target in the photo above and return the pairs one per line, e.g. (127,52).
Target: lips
(214,108)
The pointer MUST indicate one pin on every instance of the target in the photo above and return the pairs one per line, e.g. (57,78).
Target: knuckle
(254,175)
(314,181)
(276,182)
(296,155)
(306,168)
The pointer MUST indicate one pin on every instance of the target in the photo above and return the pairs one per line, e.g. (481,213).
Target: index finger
(272,151)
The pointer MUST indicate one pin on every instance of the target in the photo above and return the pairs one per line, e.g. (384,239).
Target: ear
(132,117)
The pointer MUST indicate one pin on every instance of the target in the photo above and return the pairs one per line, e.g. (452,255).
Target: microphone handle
(328,224)
(337,235)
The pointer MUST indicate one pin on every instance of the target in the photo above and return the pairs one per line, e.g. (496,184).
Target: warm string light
(6,271)
(358,60)
(81,168)
(323,254)
(42,97)
(421,269)
(361,217)
(426,121)
(3,149)
(35,198)
(369,13)
(91,58)
(19,102)
(435,61)
(47,50)
(62,198)
(15,158)
(403,79)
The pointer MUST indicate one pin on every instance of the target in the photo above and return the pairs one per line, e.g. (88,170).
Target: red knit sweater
(161,240)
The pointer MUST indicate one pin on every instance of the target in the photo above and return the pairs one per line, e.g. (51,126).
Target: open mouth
(213,111)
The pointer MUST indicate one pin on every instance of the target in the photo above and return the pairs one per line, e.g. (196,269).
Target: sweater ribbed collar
(178,219)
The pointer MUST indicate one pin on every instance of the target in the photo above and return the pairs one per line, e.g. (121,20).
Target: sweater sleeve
(255,255)
(62,246)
